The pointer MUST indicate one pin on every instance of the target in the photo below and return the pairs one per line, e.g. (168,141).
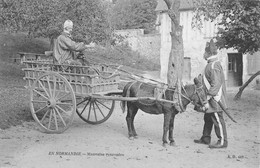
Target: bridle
(194,93)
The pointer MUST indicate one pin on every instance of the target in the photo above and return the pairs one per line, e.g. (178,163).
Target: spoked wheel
(52,102)
(95,111)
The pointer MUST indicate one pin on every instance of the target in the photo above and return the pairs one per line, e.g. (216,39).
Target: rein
(189,99)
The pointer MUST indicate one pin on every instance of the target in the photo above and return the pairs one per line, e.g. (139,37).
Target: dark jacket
(217,88)
(64,48)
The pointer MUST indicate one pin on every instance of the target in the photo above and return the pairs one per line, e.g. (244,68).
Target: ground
(107,144)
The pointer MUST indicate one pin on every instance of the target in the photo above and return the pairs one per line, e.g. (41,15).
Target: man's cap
(211,49)
(68,24)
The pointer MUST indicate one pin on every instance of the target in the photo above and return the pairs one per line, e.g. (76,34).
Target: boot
(218,145)
(205,141)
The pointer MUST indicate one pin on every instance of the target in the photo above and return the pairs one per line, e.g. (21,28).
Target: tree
(45,18)
(12,15)
(238,95)
(134,14)
(89,19)
(239,25)
(175,65)
(176,56)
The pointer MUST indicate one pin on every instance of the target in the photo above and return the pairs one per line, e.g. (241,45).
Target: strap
(206,82)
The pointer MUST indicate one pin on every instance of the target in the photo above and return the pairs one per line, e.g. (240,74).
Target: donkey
(193,93)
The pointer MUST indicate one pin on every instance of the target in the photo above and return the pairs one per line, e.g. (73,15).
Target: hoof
(164,144)
(131,138)
(172,143)
(136,137)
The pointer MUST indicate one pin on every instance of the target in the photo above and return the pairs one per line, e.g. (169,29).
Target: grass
(121,55)
(13,97)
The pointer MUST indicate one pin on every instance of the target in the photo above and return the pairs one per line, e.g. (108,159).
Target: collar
(66,33)
(212,58)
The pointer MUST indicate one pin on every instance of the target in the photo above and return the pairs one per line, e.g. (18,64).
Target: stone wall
(148,45)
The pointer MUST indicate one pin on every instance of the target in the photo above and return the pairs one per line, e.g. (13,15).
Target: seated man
(65,48)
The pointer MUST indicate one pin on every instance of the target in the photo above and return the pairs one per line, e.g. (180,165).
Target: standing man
(214,81)
(65,48)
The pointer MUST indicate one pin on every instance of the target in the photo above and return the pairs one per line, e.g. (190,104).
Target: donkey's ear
(198,80)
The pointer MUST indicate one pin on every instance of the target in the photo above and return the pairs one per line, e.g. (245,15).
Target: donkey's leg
(172,142)
(134,112)
(131,111)
(166,123)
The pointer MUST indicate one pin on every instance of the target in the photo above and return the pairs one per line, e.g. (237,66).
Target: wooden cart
(57,92)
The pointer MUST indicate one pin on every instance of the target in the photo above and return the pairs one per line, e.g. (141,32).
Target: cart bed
(85,80)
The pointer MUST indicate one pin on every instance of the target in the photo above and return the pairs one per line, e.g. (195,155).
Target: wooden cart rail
(98,96)
(24,56)
(83,79)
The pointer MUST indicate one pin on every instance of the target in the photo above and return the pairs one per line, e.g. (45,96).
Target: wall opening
(235,69)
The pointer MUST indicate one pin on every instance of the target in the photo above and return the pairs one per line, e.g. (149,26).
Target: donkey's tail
(123,102)
(123,106)
(126,93)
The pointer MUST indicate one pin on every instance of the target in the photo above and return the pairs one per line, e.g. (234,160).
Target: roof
(185,5)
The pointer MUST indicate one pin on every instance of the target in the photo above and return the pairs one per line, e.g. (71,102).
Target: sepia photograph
(129,83)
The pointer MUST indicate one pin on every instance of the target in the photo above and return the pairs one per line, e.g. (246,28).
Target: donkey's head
(199,97)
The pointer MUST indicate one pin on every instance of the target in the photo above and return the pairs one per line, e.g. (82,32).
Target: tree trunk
(238,95)
(176,55)
(175,65)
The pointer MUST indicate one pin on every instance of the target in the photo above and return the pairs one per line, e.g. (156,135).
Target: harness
(185,95)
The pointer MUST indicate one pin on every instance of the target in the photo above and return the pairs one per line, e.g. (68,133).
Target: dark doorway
(235,69)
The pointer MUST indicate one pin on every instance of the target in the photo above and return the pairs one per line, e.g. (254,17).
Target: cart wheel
(95,111)
(52,102)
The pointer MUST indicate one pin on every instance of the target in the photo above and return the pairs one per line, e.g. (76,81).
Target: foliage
(134,14)
(94,20)
(239,23)
(12,15)
(45,18)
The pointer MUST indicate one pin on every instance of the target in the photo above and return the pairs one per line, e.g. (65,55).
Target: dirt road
(107,145)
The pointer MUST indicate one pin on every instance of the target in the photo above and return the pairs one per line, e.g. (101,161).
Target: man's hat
(68,24)
(211,49)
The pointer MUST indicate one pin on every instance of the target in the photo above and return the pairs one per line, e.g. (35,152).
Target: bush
(122,55)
